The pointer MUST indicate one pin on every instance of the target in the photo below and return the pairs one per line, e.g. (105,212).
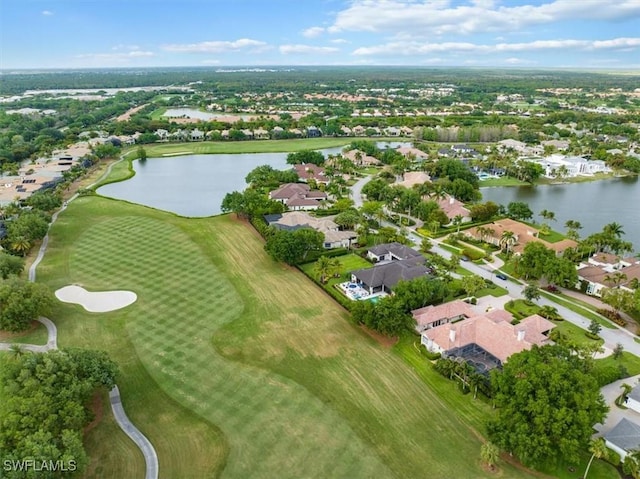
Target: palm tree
(544,230)
(598,449)
(616,278)
(614,229)
(507,240)
(482,232)
(323,268)
(16,350)
(549,312)
(489,453)
(21,245)
(457,221)
(631,465)
(548,215)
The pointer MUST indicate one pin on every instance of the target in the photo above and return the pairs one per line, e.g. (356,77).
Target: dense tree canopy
(305,156)
(547,404)
(292,247)
(43,401)
(21,302)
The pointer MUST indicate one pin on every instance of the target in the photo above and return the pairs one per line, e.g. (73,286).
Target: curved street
(611,336)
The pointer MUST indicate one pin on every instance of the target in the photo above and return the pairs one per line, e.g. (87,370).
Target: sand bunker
(98,302)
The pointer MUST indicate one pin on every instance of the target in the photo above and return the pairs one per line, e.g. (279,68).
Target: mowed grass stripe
(274,427)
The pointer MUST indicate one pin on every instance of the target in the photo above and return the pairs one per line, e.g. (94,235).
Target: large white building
(573,166)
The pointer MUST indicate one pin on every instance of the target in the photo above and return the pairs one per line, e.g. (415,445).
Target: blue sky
(497,33)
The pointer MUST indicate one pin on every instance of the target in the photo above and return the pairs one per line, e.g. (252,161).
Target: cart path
(145,446)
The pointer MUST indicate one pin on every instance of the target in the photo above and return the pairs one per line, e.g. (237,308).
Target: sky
(473,33)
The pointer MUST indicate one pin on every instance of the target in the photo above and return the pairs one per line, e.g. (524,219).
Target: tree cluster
(44,401)
(293,247)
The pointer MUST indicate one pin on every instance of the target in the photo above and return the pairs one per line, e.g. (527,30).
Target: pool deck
(355,292)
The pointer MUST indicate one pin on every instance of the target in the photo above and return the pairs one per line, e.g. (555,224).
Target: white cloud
(220,46)
(518,61)
(47,13)
(426,48)
(339,41)
(306,49)
(429,17)
(313,32)
(116,57)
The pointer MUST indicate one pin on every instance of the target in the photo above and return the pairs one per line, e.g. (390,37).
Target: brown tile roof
(412,178)
(431,314)
(308,171)
(524,233)
(606,258)
(453,207)
(499,338)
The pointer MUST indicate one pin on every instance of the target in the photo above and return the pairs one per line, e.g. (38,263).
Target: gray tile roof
(625,434)
(389,274)
(399,250)
(635,393)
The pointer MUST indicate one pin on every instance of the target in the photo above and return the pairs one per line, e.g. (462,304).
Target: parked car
(501,276)
(552,289)
(464,258)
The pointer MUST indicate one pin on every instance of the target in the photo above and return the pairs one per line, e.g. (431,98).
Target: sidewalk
(598,303)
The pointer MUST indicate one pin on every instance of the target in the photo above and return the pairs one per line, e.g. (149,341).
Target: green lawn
(630,361)
(502,181)
(579,307)
(231,361)
(36,334)
(249,146)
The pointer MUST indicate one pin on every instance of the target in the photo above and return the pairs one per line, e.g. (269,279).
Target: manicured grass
(227,355)
(579,307)
(502,181)
(249,146)
(158,114)
(521,308)
(552,237)
(496,291)
(630,361)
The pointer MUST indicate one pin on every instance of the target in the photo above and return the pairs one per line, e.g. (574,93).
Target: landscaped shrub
(589,335)
(612,315)
(473,254)
(432,356)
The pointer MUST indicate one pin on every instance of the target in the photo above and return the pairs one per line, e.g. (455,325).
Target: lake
(195,185)
(594,204)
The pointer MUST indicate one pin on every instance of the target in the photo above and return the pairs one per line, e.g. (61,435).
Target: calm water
(195,185)
(594,204)
(192,185)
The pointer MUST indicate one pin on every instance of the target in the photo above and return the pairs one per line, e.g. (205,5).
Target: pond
(594,203)
(200,115)
(195,185)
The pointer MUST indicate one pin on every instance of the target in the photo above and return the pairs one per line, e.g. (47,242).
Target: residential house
(261,134)
(179,135)
(277,132)
(510,144)
(346,131)
(454,208)
(383,277)
(523,234)
(432,316)
(463,150)
(298,196)
(446,152)
(314,132)
(600,271)
(391,252)
(413,153)
(487,340)
(162,134)
(623,438)
(360,158)
(560,145)
(309,171)
(412,178)
(392,131)
(406,131)
(359,130)
(633,399)
(333,236)
(248,133)
(196,135)
(296,132)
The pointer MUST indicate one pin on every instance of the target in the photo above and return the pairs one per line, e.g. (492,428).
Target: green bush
(612,457)
(473,254)
(590,335)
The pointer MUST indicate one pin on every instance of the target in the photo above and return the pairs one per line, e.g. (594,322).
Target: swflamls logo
(39,466)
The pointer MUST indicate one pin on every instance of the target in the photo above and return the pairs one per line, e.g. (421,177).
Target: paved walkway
(149,453)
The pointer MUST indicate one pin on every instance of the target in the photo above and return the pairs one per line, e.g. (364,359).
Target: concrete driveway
(610,392)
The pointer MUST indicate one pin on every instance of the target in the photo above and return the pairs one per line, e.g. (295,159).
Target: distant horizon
(538,34)
(263,68)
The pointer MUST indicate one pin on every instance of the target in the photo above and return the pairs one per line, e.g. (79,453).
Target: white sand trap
(98,302)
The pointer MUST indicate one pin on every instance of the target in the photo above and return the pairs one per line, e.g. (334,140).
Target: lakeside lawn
(227,354)
(502,181)
(249,146)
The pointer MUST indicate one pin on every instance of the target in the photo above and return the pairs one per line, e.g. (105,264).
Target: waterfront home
(391,252)
(359,158)
(383,277)
(412,178)
(298,196)
(572,165)
(523,234)
(605,270)
(334,237)
(309,171)
(454,209)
